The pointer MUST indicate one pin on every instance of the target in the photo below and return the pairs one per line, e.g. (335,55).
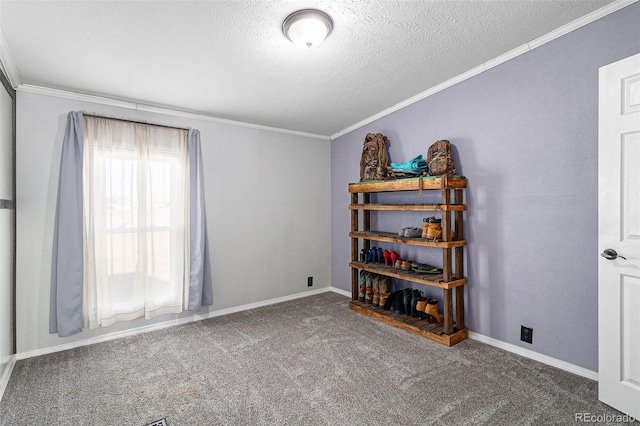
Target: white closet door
(7,209)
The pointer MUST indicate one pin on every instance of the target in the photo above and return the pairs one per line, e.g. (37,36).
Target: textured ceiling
(229,59)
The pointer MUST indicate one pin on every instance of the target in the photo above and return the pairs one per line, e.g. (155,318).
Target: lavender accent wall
(526,136)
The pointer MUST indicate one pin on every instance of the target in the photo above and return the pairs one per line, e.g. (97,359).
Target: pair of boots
(395,302)
(412,302)
(381,289)
(369,280)
(362,285)
(416,304)
(431,228)
(428,308)
(374,289)
(410,299)
(404,302)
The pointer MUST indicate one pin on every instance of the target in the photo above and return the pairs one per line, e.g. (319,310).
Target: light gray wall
(267,198)
(526,136)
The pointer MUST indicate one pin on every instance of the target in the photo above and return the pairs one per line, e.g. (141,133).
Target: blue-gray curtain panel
(65,311)
(200,287)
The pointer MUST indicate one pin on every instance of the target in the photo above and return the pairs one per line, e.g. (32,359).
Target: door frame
(11,204)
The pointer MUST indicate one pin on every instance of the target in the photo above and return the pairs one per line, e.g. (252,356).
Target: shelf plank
(423,328)
(410,184)
(409,207)
(390,237)
(433,280)
(460,305)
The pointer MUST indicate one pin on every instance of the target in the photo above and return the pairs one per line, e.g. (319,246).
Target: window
(136,220)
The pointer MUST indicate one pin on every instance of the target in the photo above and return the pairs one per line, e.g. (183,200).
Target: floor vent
(161,422)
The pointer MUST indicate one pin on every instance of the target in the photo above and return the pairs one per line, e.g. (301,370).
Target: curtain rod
(130,120)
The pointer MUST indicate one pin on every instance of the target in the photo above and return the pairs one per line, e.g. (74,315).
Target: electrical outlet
(309,281)
(526,334)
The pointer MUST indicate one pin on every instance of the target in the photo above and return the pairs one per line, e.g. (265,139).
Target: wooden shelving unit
(452,278)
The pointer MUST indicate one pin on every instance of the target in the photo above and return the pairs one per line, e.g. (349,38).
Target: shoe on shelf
(432,310)
(390,302)
(407,295)
(432,228)
(375,301)
(423,268)
(368,294)
(415,296)
(363,285)
(412,232)
(384,287)
(398,302)
(370,255)
(405,265)
(421,307)
(374,255)
(387,257)
(394,258)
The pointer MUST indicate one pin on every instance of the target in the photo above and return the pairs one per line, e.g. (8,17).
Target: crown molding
(565,29)
(581,22)
(39,90)
(6,61)
(56,93)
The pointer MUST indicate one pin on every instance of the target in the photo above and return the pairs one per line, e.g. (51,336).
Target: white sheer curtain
(136,221)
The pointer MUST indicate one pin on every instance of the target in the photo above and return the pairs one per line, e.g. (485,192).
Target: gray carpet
(310,361)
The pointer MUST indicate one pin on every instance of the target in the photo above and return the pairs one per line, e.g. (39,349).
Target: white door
(619,236)
(7,233)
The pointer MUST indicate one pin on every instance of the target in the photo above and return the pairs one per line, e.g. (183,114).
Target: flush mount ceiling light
(307,27)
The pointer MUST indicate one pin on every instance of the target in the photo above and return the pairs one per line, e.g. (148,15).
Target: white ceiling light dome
(307,27)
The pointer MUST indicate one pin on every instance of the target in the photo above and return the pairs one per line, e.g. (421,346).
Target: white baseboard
(166,324)
(340,291)
(528,353)
(6,374)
